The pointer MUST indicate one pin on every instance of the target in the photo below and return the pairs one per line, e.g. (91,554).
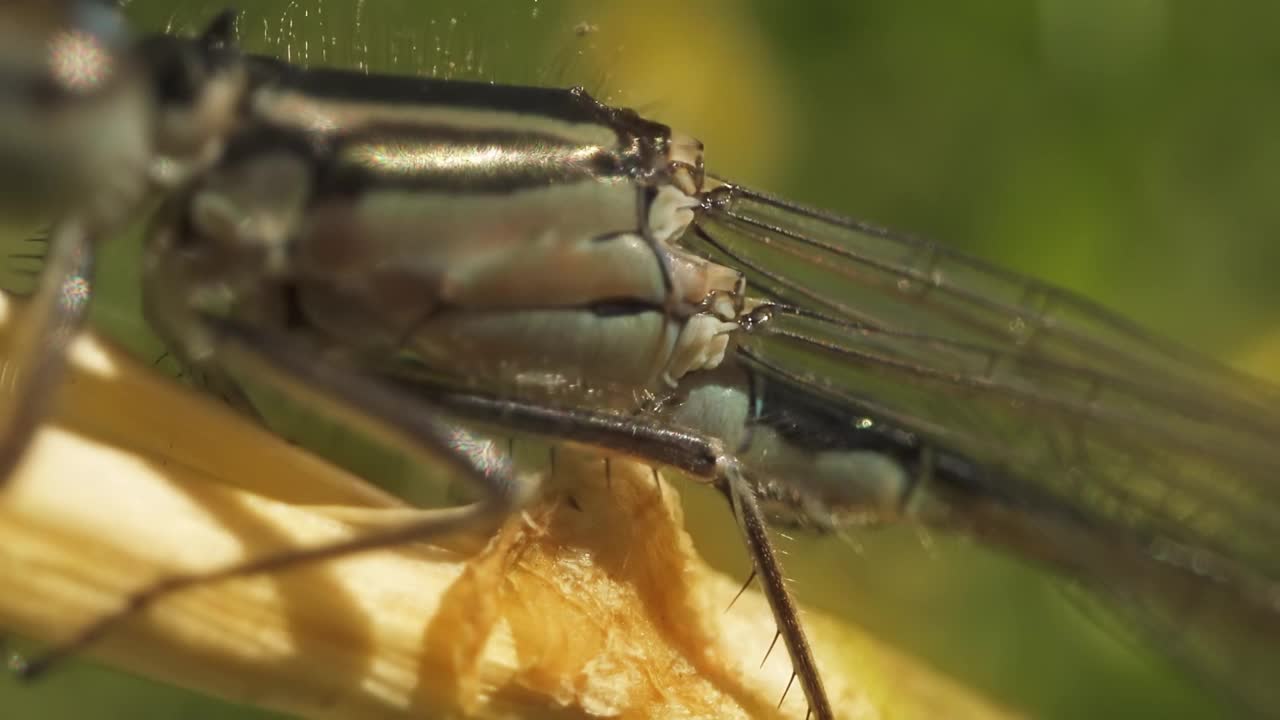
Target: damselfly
(868,377)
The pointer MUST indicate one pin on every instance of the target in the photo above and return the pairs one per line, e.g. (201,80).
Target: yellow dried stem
(593,608)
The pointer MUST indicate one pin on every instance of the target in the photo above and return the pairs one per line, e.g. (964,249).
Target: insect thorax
(514,234)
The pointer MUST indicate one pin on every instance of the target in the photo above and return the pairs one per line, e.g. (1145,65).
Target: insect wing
(1143,470)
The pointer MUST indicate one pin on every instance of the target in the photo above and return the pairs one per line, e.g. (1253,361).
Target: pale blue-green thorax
(524,235)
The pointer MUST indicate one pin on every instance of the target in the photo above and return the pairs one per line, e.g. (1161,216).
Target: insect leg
(751,524)
(56,310)
(364,404)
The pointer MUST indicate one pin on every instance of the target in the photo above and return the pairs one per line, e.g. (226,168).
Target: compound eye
(85,55)
(104,20)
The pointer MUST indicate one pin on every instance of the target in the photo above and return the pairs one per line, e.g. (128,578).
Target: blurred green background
(1127,149)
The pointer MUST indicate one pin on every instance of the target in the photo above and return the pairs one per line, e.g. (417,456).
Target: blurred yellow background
(1128,150)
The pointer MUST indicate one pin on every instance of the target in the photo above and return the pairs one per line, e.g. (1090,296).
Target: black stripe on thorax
(604,308)
(383,158)
(331,84)
(642,142)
